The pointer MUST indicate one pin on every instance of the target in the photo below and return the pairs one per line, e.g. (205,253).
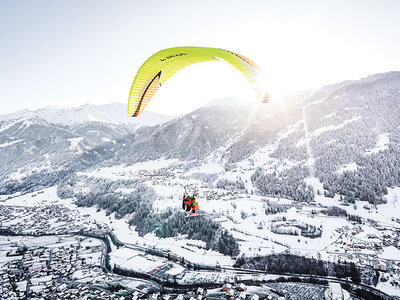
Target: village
(44,257)
(72,265)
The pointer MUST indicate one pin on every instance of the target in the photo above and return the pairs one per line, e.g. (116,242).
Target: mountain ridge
(114,113)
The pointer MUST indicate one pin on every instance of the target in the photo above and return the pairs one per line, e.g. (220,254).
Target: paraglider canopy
(165,63)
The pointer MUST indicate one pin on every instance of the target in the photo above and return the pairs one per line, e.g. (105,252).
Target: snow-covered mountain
(114,113)
(36,152)
(340,134)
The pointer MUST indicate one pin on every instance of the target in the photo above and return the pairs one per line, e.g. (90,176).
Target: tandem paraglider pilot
(190,204)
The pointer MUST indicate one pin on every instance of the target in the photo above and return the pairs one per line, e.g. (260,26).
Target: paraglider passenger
(191,203)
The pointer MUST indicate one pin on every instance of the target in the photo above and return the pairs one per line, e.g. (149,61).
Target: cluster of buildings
(228,291)
(46,219)
(300,291)
(37,219)
(349,241)
(240,292)
(346,229)
(39,271)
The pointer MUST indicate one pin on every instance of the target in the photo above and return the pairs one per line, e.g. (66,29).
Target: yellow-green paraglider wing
(165,63)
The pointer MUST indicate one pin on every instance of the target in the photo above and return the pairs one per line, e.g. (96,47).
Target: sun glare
(201,83)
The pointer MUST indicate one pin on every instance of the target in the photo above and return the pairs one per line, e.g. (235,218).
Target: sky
(73,52)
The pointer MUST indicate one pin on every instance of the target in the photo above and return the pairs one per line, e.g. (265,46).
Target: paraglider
(189,203)
(156,70)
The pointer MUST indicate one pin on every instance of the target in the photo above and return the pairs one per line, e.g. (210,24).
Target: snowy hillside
(325,138)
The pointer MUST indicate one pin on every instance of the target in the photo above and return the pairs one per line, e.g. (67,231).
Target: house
(154,296)
(254,297)
(230,293)
(380,267)
(135,295)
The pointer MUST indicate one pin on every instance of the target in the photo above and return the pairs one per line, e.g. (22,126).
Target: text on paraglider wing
(172,55)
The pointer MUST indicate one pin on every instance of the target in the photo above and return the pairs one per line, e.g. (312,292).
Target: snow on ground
(125,253)
(315,183)
(74,142)
(317,102)
(9,124)
(328,236)
(321,130)
(91,258)
(383,214)
(191,253)
(46,197)
(49,241)
(307,95)
(331,141)
(26,171)
(261,158)
(125,172)
(10,143)
(388,288)
(139,263)
(169,196)
(19,174)
(42,279)
(259,247)
(108,140)
(329,115)
(124,190)
(289,130)
(208,168)
(177,269)
(37,288)
(348,167)
(89,242)
(390,252)
(21,286)
(85,275)
(367,230)
(381,145)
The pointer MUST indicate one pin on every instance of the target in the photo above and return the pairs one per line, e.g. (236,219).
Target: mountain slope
(32,147)
(347,135)
(114,113)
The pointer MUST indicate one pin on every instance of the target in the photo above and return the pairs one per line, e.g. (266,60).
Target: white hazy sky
(69,53)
